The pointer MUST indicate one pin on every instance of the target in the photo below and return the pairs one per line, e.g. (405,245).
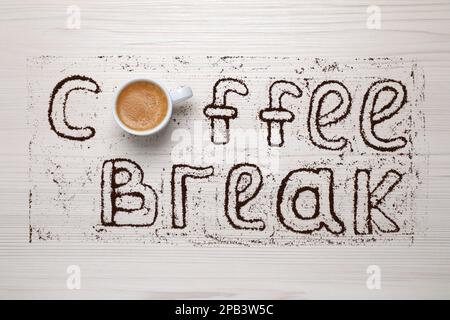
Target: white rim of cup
(154,130)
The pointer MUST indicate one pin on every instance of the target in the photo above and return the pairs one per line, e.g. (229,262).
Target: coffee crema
(142,105)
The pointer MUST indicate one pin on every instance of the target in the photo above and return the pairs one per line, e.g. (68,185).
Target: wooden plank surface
(416,30)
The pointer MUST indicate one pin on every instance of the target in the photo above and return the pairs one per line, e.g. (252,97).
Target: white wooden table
(410,29)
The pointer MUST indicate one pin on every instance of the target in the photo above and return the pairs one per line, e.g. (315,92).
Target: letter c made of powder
(57,107)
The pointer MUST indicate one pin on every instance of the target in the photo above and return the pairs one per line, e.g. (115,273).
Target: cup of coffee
(143,107)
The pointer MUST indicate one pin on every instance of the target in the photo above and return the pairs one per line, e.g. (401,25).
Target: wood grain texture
(416,30)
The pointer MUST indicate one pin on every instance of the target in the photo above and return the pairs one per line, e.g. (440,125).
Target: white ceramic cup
(174,97)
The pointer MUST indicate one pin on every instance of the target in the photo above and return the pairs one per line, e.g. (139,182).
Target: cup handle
(180,95)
